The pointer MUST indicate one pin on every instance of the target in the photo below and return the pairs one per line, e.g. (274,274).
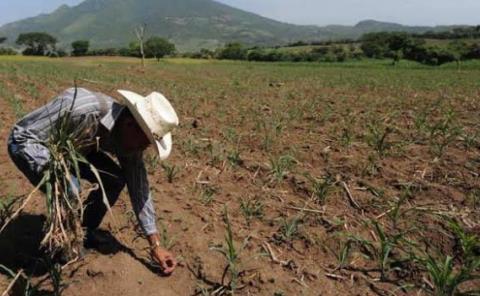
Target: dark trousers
(110,174)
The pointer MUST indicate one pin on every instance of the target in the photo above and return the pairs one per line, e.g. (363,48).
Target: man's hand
(161,256)
(165,259)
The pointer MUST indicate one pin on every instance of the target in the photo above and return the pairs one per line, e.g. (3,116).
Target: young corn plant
(343,256)
(381,251)
(170,170)
(443,132)
(377,138)
(289,229)
(474,198)
(191,147)
(468,242)
(279,167)
(446,279)
(470,140)
(152,161)
(251,208)
(7,208)
(346,137)
(232,255)
(396,212)
(215,153)
(320,188)
(234,158)
(166,240)
(208,194)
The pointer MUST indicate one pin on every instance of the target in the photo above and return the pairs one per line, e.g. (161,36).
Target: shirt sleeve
(139,191)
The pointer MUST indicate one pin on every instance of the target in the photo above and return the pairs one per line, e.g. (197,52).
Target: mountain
(190,24)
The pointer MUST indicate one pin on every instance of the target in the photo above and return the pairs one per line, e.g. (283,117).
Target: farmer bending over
(122,131)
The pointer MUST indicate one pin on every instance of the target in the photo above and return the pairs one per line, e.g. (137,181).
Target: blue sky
(319,12)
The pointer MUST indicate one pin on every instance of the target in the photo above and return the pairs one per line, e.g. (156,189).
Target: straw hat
(156,116)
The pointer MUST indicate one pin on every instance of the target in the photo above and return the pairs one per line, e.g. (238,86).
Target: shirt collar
(109,119)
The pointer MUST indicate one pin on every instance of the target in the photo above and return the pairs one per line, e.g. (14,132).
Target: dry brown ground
(325,118)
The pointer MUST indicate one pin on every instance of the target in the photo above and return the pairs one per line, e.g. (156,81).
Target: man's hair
(126,114)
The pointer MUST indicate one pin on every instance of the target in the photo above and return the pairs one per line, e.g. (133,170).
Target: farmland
(323,179)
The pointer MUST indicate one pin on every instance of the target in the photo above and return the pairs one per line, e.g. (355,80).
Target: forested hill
(190,24)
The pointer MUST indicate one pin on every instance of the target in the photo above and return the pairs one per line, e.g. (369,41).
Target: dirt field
(337,179)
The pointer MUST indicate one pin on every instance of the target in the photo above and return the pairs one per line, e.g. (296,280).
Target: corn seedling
(191,147)
(251,208)
(231,135)
(446,279)
(443,133)
(231,254)
(381,251)
(215,153)
(344,253)
(346,137)
(7,206)
(377,138)
(170,170)
(320,188)
(271,130)
(421,120)
(152,161)
(468,242)
(279,167)
(234,158)
(166,240)
(470,140)
(395,212)
(208,194)
(474,198)
(289,228)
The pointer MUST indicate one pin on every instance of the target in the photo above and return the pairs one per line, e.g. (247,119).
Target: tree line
(399,46)
(43,44)
(383,45)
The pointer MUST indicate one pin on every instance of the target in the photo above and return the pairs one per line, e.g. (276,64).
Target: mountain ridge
(190,24)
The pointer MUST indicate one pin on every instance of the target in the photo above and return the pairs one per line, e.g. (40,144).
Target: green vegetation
(157,48)
(80,47)
(37,43)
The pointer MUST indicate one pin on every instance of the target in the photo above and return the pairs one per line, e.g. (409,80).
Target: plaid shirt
(96,113)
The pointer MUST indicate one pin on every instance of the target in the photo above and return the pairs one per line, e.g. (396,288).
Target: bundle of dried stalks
(64,195)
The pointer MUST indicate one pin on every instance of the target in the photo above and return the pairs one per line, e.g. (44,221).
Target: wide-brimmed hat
(156,116)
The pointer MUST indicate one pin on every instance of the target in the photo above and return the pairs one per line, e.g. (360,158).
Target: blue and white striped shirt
(90,111)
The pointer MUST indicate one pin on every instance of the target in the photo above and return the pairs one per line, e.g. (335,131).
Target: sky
(309,12)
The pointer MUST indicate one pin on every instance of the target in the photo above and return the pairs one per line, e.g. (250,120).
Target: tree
(158,48)
(37,43)
(233,51)
(134,49)
(459,50)
(474,51)
(375,45)
(2,39)
(80,47)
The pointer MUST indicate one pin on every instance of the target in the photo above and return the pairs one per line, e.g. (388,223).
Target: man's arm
(139,191)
